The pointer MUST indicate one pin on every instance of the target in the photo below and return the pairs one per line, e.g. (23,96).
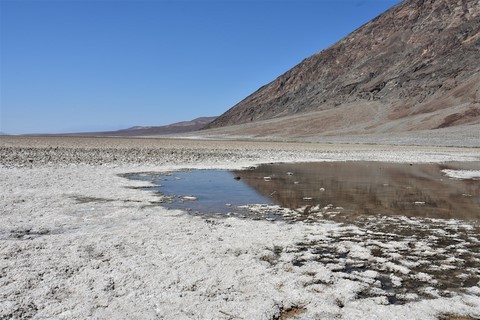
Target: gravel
(55,151)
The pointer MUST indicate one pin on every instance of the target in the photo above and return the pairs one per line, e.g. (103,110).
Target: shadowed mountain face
(414,67)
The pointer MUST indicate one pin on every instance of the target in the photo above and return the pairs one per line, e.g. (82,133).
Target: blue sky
(87,65)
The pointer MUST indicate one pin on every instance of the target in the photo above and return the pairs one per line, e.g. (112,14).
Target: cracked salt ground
(141,261)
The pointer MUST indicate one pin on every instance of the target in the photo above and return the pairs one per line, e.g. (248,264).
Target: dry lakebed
(117,228)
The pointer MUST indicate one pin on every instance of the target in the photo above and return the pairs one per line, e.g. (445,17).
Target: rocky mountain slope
(415,67)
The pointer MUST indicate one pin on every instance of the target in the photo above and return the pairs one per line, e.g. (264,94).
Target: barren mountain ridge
(415,67)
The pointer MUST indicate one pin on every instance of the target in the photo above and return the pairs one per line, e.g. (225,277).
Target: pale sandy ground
(76,242)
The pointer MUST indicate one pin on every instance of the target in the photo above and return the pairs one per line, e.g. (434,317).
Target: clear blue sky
(82,65)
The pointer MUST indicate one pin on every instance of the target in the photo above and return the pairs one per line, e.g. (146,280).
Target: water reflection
(397,259)
(366,188)
(202,191)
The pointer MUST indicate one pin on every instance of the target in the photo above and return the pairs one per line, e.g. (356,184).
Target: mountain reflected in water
(365,188)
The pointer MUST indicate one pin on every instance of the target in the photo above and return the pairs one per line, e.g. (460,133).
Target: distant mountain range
(139,131)
(415,67)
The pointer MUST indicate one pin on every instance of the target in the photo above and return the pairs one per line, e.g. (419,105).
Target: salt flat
(79,241)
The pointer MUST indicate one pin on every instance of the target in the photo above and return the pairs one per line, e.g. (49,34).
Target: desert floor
(79,241)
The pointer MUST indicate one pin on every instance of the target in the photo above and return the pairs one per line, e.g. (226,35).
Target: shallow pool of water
(203,191)
(396,234)
(349,189)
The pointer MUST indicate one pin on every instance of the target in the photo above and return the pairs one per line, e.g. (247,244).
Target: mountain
(415,67)
(179,127)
